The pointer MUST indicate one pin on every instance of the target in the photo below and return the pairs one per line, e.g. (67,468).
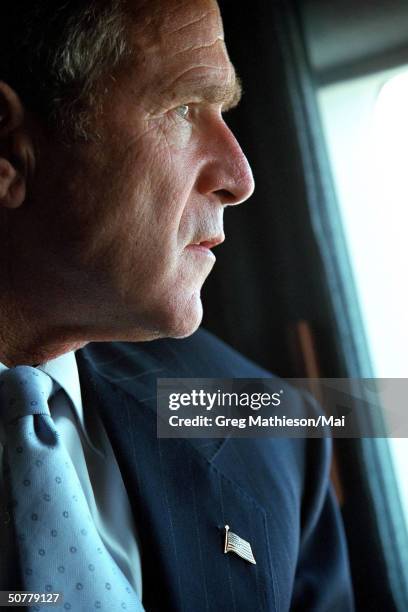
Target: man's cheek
(173,133)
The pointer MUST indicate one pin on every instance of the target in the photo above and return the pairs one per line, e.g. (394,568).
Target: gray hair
(55,53)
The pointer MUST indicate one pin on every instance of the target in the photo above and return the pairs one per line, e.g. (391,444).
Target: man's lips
(208,243)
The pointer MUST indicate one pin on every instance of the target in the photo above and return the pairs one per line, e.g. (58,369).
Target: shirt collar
(64,371)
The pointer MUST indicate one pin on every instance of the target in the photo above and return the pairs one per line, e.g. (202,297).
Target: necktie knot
(23,391)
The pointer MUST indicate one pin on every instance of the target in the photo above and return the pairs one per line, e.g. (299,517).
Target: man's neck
(29,337)
(36,354)
(23,346)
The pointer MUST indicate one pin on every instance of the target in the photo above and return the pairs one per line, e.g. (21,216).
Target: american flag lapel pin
(242,548)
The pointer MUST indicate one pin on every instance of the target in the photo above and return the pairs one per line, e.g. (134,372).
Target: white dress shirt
(91,453)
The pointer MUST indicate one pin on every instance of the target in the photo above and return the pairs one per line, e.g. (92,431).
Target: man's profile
(116,167)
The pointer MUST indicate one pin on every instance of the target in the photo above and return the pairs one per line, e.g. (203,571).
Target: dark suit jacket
(273,492)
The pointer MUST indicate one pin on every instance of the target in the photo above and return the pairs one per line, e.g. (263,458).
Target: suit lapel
(181,503)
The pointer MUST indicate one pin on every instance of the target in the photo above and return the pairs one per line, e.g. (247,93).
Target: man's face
(128,212)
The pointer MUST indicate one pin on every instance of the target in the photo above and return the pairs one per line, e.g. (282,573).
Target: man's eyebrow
(228,94)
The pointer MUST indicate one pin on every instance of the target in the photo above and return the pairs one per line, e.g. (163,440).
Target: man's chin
(179,318)
(175,318)
(187,320)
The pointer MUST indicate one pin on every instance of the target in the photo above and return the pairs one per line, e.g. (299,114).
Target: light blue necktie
(59,547)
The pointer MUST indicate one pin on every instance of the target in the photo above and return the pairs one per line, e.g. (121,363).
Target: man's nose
(227,174)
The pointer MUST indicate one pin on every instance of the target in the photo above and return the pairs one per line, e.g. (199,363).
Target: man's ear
(16,149)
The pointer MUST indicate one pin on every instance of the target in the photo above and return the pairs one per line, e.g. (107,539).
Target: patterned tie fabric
(59,547)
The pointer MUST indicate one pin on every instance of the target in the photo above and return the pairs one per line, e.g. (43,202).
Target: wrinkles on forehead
(200,34)
(195,23)
(152,18)
(189,25)
(189,11)
(184,54)
(192,25)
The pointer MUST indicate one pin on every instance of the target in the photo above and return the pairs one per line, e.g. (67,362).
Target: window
(365,122)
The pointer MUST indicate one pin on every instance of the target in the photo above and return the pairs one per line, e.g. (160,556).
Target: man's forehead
(184,51)
(191,16)
(173,15)
(177,22)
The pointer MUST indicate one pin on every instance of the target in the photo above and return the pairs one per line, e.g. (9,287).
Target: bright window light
(366,127)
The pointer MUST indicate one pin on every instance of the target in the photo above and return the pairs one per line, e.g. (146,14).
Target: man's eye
(183,110)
